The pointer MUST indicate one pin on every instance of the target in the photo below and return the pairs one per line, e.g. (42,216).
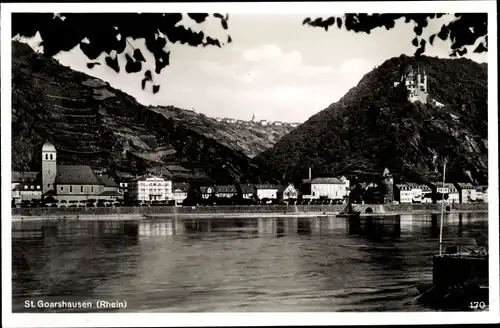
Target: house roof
(446,185)
(48,146)
(284,187)
(226,189)
(18,176)
(465,185)
(107,180)
(247,188)
(110,193)
(180,186)
(146,177)
(204,189)
(403,186)
(324,181)
(267,186)
(76,174)
(482,188)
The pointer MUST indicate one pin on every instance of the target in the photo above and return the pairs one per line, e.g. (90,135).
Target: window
(92,189)
(46,156)
(25,187)
(81,189)
(70,188)
(32,187)
(48,185)
(37,187)
(51,157)
(62,188)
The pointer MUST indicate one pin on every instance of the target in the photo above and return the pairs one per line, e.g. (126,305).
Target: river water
(234,265)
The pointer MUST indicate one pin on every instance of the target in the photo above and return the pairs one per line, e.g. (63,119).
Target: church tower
(49,167)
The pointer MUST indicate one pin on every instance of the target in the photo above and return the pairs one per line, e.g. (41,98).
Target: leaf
(431,39)
(91,65)
(211,41)
(198,17)
(223,23)
(156,88)
(462,51)
(444,32)
(415,42)
(138,55)
(132,66)
(306,21)
(481,48)
(147,75)
(143,83)
(162,61)
(418,30)
(229,40)
(113,63)
(339,22)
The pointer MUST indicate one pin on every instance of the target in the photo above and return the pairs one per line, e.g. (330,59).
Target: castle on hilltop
(415,81)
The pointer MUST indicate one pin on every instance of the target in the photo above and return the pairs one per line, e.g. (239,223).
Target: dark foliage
(373,126)
(107,32)
(462,31)
(62,32)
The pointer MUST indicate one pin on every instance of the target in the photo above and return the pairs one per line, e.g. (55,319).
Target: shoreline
(139,217)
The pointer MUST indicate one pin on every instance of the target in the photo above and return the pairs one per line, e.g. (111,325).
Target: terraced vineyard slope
(92,123)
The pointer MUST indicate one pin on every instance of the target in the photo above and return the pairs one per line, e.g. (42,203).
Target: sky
(276,68)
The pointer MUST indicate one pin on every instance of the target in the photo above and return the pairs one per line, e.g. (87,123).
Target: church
(74,183)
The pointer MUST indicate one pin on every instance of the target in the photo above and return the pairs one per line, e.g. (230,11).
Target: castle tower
(389,185)
(49,167)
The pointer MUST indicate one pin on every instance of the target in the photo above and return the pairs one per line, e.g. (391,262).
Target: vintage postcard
(213,164)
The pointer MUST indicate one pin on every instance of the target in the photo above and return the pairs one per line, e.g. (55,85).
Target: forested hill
(374,126)
(94,124)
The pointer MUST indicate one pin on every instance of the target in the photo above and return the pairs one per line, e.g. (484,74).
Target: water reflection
(245,264)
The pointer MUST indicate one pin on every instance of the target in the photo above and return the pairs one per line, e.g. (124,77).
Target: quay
(153,212)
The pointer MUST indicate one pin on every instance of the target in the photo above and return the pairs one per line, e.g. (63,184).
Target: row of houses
(80,183)
(460,192)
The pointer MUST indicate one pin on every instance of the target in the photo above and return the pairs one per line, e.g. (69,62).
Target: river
(234,265)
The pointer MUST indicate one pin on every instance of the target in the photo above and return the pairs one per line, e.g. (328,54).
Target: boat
(349,212)
(459,276)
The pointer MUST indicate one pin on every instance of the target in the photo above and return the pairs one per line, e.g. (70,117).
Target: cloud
(265,52)
(353,70)
(268,64)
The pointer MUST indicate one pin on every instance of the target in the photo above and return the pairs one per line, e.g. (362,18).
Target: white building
(149,188)
(179,192)
(404,193)
(267,191)
(482,194)
(440,188)
(288,192)
(467,192)
(331,188)
(453,195)
(416,192)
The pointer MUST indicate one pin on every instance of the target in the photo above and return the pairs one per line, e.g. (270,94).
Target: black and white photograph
(264,162)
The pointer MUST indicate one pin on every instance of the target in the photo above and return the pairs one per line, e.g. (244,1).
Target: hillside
(373,126)
(92,123)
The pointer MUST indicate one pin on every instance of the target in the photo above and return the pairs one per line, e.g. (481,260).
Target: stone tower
(49,167)
(389,185)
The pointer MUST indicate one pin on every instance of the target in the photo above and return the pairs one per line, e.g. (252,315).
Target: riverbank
(144,213)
